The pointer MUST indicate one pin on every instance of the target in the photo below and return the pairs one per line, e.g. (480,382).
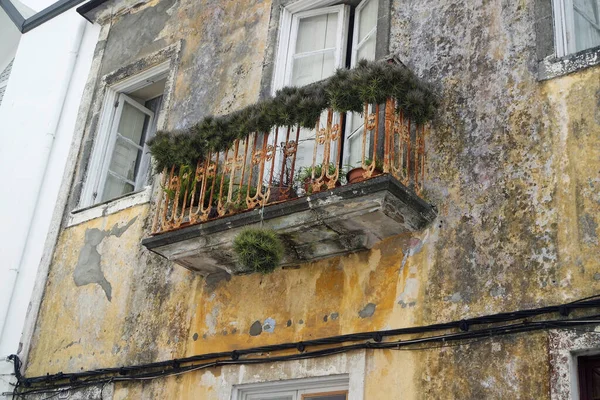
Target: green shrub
(347,90)
(259,250)
(378,163)
(305,173)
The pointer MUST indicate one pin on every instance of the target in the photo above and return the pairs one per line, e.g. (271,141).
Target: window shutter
(365,31)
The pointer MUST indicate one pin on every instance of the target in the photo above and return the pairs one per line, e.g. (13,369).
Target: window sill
(553,67)
(110,207)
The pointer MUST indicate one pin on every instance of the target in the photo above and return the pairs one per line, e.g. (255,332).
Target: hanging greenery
(347,90)
(259,250)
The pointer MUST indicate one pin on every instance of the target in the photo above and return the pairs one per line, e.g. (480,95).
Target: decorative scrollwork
(270,152)
(257,157)
(335,132)
(245,175)
(322,136)
(370,125)
(290,148)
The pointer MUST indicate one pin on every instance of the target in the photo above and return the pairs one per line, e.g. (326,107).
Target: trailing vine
(347,90)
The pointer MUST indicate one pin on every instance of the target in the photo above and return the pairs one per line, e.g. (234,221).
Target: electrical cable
(368,340)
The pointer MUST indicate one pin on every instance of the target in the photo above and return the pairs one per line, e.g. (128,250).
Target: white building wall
(37,124)
(9,41)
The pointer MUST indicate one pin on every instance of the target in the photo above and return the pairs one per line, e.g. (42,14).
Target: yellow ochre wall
(513,168)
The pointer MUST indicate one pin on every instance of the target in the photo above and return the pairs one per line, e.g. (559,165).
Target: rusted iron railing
(289,162)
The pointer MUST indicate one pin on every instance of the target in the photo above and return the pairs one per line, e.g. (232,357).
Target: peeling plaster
(367,311)
(256,328)
(89,263)
(269,325)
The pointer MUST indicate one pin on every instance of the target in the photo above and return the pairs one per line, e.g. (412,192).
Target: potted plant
(185,174)
(281,191)
(258,249)
(238,205)
(356,175)
(305,176)
(190,195)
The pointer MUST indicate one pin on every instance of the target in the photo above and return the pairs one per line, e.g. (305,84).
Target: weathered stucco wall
(514,169)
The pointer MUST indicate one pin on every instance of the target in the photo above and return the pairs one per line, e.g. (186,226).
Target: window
(363,47)
(120,162)
(300,395)
(130,127)
(588,368)
(317,45)
(324,388)
(577,25)
(316,38)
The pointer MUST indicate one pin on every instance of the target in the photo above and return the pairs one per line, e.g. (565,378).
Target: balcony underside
(329,223)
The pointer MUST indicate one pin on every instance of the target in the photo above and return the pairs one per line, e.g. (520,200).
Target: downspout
(7,298)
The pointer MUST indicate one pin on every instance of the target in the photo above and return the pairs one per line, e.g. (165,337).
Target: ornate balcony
(293,180)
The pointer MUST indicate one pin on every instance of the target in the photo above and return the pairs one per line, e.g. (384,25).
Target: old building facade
(512,173)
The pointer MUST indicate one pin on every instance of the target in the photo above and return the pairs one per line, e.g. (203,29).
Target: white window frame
(560,27)
(104,142)
(564,27)
(293,387)
(568,345)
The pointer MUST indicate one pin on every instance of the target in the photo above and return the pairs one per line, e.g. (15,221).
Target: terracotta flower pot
(280,193)
(355,175)
(308,184)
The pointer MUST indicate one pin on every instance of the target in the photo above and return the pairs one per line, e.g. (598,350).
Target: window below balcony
(322,388)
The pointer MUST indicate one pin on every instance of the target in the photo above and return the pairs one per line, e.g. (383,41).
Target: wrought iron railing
(290,162)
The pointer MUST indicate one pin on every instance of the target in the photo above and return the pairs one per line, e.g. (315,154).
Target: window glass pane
(313,68)
(131,124)
(325,397)
(596,382)
(366,50)
(278,398)
(354,149)
(367,19)
(124,159)
(115,187)
(587,24)
(316,33)
(274,396)
(306,144)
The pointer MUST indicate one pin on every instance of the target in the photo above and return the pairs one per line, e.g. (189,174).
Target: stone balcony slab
(346,219)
